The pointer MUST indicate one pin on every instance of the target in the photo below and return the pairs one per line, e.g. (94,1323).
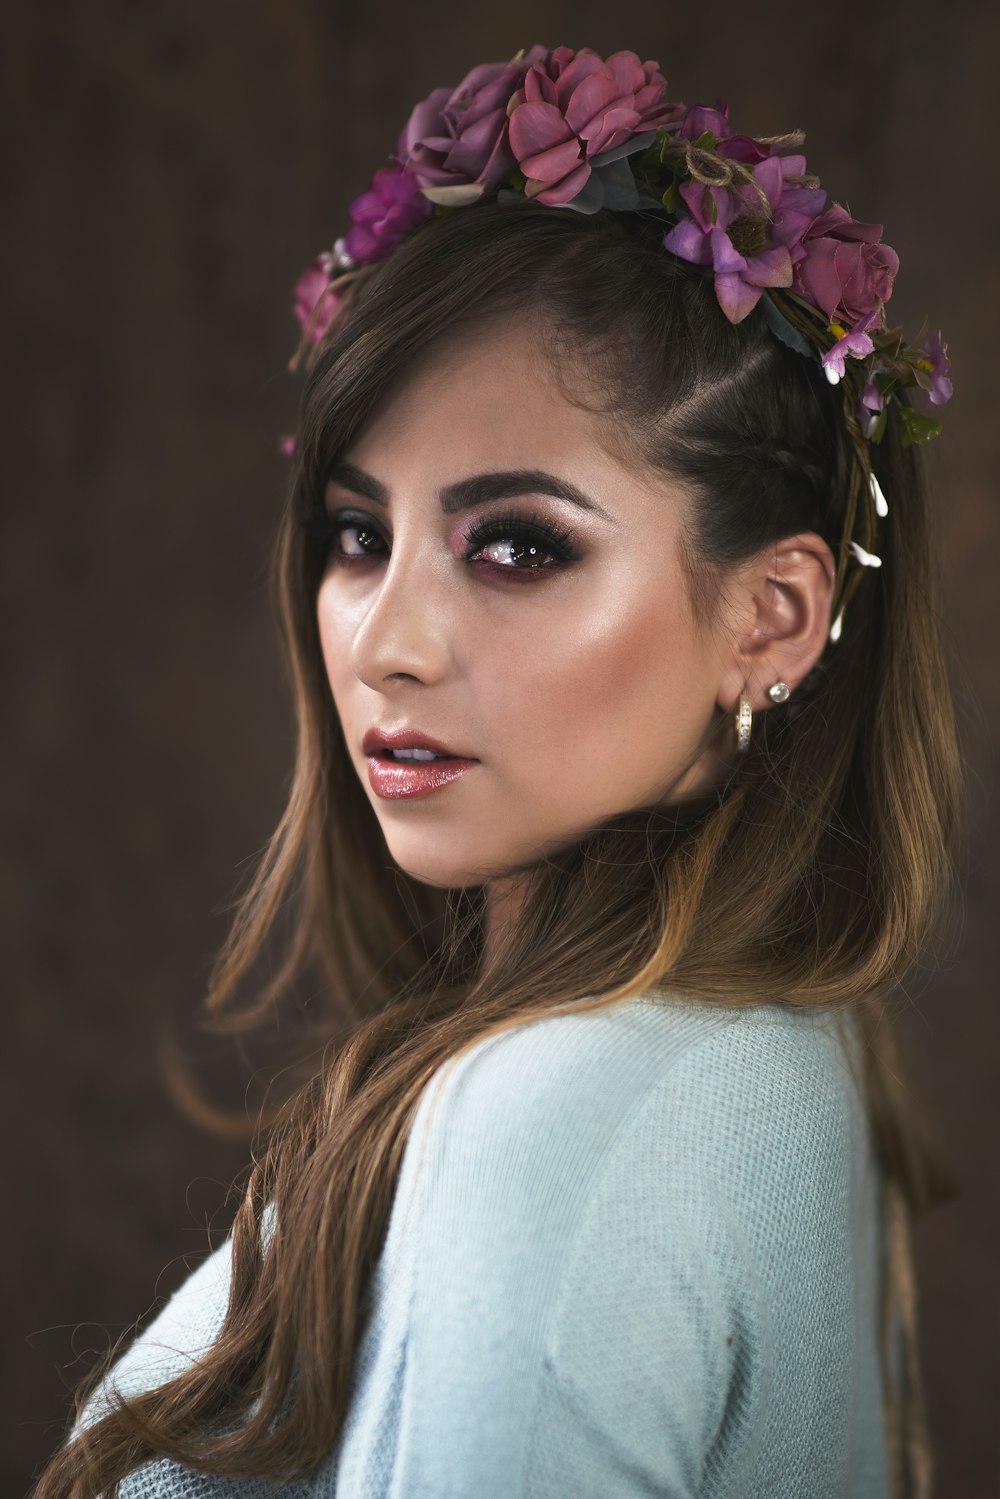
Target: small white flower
(837,626)
(867,559)
(831,374)
(340,256)
(881,505)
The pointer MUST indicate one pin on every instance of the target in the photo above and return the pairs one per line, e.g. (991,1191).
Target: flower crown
(568,129)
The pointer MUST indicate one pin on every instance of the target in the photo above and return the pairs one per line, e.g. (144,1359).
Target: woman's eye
(344,538)
(522,555)
(354,539)
(514,544)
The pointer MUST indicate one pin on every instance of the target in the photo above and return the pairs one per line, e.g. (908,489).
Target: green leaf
(917,426)
(782,328)
(706,141)
(671,199)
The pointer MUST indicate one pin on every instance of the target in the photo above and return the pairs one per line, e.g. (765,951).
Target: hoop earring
(743,720)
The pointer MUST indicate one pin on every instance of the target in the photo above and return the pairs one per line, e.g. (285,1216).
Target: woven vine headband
(569,129)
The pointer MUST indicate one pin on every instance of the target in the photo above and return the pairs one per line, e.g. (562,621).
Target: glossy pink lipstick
(391,777)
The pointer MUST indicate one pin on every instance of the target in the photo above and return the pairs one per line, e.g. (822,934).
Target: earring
(744,718)
(779,692)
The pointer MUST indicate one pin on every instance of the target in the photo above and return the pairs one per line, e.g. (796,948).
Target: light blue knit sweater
(632,1253)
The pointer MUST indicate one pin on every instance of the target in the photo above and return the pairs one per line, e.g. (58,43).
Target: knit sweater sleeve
(563,1335)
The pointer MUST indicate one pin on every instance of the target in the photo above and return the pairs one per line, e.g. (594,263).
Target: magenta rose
(458,136)
(846,271)
(573,107)
(385,214)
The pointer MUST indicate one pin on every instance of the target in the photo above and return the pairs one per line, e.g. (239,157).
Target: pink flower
(744,148)
(702,117)
(314,307)
(932,370)
(729,230)
(857,343)
(573,110)
(870,407)
(845,271)
(385,214)
(458,137)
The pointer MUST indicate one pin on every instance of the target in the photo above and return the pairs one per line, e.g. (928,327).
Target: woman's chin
(446,872)
(448,868)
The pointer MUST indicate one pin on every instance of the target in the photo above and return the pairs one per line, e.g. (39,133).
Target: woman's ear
(780,617)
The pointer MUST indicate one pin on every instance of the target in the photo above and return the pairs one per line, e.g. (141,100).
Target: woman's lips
(395,778)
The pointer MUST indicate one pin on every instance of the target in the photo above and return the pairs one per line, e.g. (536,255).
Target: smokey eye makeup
(502,543)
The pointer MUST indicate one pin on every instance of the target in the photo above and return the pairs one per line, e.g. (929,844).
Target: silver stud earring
(779,692)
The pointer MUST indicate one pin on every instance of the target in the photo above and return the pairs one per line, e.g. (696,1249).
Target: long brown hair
(813,877)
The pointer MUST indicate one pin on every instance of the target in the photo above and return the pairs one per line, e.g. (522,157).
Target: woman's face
(547,637)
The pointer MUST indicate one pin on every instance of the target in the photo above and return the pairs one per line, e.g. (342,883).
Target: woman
(626,790)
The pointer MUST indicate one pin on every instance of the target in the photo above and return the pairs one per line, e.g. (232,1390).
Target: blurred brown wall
(174,168)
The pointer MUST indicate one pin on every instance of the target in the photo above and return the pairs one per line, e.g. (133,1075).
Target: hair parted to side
(814,877)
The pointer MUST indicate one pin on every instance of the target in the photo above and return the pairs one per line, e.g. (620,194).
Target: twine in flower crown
(708,167)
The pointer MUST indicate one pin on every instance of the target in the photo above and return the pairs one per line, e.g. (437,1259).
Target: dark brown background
(174,168)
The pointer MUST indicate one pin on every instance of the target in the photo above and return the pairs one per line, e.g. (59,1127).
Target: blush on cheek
(644,651)
(620,709)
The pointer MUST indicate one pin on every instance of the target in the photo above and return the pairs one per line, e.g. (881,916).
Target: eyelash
(531,529)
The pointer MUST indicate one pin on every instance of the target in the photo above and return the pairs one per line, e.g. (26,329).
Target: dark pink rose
(385,214)
(846,270)
(573,107)
(458,136)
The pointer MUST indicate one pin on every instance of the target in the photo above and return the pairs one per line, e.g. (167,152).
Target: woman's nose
(403,633)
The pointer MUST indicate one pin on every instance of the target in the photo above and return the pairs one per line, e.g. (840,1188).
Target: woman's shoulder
(782,1075)
(703,1112)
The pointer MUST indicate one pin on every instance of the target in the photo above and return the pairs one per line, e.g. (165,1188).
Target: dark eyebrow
(477,489)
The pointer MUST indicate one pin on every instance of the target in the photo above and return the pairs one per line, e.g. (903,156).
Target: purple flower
(573,109)
(730,230)
(845,272)
(702,117)
(314,306)
(385,214)
(857,342)
(458,137)
(933,367)
(871,404)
